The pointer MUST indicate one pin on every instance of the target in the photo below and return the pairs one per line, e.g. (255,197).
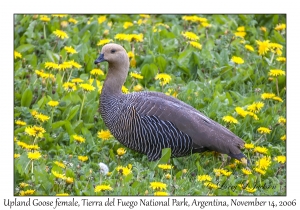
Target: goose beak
(99,59)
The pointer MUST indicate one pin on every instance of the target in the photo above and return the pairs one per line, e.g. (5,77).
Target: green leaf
(26,98)
(161,63)
(128,177)
(58,124)
(53,57)
(73,112)
(165,157)
(68,127)
(25,48)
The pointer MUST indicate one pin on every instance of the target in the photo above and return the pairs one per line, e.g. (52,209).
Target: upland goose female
(148,122)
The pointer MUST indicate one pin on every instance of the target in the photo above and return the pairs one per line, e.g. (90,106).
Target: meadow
(232,68)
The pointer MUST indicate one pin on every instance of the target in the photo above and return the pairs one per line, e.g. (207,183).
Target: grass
(58,150)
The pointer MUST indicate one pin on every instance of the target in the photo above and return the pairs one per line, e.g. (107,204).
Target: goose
(148,121)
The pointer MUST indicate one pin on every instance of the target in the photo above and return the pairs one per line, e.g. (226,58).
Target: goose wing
(204,132)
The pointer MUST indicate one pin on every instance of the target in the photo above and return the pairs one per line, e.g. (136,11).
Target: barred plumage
(150,121)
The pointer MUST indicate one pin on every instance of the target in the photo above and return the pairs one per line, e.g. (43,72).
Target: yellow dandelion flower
(83,158)
(51,65)
(184,171)
(62,194)
(130,54)
(241,28)
(17,55)
(133,63)
(87,87)
(23,185)
(158,185)
(267,95)
(79,139)
(240,111)
(262,28)
(194,18)
(103,187)
(276,72)
(281,59)
(104,41)
(127,25)
(32,147)
(125,89)
(263,130)
(202,178)
(42,117)
(17,155)
(69,180)
(58,175)
(22,144)
(276,98)
(44,18)
(61,34)
(206,24)
(211,185)
(97,72)
(281,120)
(280,27)
(62,165)
(121,151)
(101,19)
(144,16)
(263,46)
(138,88)
(259,170)
(255,107)
(53,103)
(77,80)
(241,34)
(64,24)
(65,65)
(246,171)
(123,170)
(168,176)
(249,47)
(136,75)
(137,37)
(20,122)
(69,86)
(249,146)
(104,135)
(230,119)
(190,35)
(59,15)
(160,193)
(164,78)
(27,192)
(263,163)
(34,155)
(250,190)
(196,45)
(283,138)
(261,150)
(35,131)
(70,50)
(165,166)
(72,20)
(280,159)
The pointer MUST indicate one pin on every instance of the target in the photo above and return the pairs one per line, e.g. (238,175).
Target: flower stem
(272,58)
(45,37)
(277,86)
(81,106)
(70,75)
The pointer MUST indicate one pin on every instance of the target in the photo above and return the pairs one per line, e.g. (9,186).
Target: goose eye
(113,51)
